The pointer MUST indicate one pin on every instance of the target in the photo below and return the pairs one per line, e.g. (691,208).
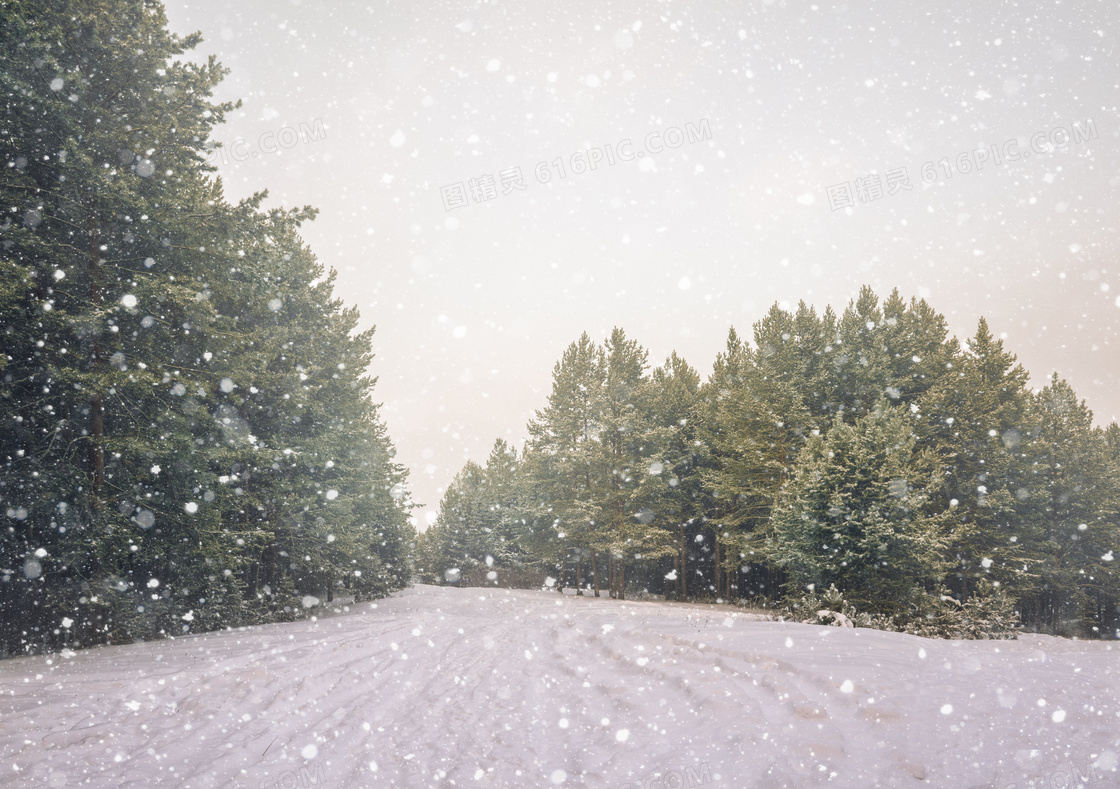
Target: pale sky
(474,304)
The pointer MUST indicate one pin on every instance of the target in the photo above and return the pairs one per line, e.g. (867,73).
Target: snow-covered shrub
(830,608)
(988,613)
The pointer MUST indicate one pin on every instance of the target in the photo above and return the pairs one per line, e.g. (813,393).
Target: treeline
(869,451)
(187,439)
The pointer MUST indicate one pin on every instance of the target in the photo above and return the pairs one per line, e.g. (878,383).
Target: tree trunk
(96,431)
(715,561)
(682,582)
(96,400)
(595,570)
(274,570)
(728,575)
(67,426)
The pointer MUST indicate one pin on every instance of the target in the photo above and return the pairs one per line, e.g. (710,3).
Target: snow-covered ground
(493,688)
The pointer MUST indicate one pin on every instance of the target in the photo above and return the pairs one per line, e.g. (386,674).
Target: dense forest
(188,439)
(864,462)
(187,436)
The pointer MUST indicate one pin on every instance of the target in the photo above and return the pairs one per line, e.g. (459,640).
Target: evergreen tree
(565,463)
(764,424)
(672,486)
(504,513)
(894,350)
(723,495)
(918,345)
(856,515)
(480,522)
(103,129)
(1074,508)
(861,361)
(626,451)
(458,530)
(975,417)
(185,429)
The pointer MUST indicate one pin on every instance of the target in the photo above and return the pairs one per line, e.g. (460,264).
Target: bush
(988,614)
(830,608)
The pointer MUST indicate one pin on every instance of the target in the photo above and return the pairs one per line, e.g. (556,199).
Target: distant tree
(480,519)
(868,451)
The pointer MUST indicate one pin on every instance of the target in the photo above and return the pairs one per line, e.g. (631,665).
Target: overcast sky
(795,110)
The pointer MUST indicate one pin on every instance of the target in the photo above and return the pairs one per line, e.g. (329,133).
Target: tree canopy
(187,435)
(866,451)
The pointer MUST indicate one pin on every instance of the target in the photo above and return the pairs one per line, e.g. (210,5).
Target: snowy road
(481,688)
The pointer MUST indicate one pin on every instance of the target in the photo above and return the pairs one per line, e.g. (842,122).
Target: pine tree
(894,350)
(503,501)
(918,345)
(173,436)
(860,358)
(764,423)
(628,532)
(672,487)
(856,515)
(722,494)
(975,417)
(463,543)
(1074,508)
(564,463)
(104,130)
(482,525)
